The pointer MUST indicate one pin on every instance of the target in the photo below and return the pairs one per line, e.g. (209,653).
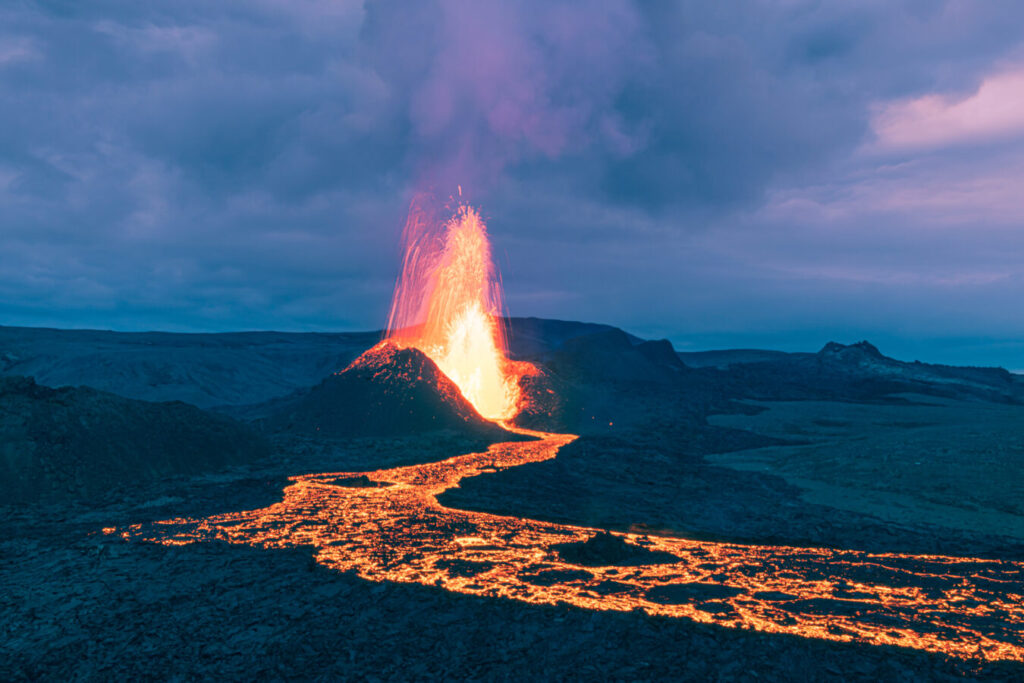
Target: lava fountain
(447,304)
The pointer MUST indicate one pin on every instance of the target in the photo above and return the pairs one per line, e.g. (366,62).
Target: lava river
(391,528)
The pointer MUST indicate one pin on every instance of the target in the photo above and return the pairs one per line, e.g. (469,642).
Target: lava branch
(399,532)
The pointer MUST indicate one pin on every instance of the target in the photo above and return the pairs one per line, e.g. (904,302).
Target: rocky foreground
(75,603)
(843,448)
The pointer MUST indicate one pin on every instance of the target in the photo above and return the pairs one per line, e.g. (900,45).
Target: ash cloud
(487,85)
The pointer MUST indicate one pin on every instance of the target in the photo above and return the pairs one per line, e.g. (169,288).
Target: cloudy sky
(771,173)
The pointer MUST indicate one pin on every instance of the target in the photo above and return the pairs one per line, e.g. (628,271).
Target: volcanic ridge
(388,391)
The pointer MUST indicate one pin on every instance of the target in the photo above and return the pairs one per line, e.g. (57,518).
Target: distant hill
(219,369)
(614,355)
(77,443)
(605,381)
(861,372)
(202,369)
(387,391)
(722,359)
(534,338)
(253,375)
(605,378)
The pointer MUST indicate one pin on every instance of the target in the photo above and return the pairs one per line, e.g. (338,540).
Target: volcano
(387,391)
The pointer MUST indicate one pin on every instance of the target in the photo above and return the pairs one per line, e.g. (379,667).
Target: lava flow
(397,530)
(447,304)
(387,525)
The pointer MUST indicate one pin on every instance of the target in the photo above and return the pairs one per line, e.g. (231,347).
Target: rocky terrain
(933,461)
(842,448)
(77,443)
(76,603)
(84,444)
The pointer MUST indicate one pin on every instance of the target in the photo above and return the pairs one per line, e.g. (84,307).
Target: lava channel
(398,531)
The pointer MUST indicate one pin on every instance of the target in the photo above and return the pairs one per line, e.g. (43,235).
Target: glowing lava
(447,303)
(396,530)
(391,527)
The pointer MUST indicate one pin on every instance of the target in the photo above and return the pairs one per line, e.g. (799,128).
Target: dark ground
(77,604)
(922,475)
(752,448)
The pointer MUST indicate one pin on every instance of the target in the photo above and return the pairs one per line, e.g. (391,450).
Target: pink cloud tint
(994,111)
(512,81)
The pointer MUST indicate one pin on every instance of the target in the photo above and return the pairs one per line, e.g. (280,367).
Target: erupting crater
(448,304)
(387,525)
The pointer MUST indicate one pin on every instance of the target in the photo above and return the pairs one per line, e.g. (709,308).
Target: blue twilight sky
(771,173)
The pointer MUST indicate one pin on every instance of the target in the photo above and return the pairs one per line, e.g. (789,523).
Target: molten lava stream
(400,532)
(447,303)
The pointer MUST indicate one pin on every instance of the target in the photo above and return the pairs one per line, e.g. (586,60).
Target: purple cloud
(671,167)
